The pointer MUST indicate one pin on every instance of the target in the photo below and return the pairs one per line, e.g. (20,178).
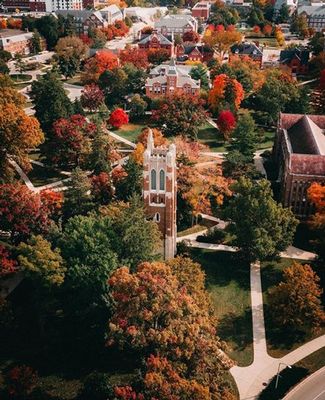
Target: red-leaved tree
(137,57)
(92,97)
(226,123)
(70,143)
(22,212)
(102,188)
(7,264)
(191,36)
(118,118)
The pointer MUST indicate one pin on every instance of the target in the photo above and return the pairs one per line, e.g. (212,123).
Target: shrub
(20,381)
(96,387)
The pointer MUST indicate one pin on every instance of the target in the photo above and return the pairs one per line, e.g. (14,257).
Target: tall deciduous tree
(22,212)
(180,115)
(92,97)
(51,101)
(71,51)
(261,226)
(226,93)
(134,56)
(221,41)
(40,262)
(8,94)
(226,123)
(118,118)
(18,133)
(316,194)
(95,66)
(295,302)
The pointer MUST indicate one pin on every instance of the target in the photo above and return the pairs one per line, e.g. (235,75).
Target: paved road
(312,388)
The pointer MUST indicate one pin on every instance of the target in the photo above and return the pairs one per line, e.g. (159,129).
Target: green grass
(132,130)
(268,140)
(209,136)
(228,282)
(200,226)
(314,361)
(19,86)
(20,77)
(280,343)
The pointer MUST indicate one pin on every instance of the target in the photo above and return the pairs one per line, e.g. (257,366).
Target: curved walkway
(311,388)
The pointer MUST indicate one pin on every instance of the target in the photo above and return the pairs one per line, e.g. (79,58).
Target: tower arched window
(153,179)
(162,180)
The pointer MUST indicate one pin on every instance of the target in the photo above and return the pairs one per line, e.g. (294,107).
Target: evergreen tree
(48,27)
(51,101)
(200,73)
(78,198)
(132,182)
(99,157)
(261,226)
(36,43)
(77,107)
(240,156)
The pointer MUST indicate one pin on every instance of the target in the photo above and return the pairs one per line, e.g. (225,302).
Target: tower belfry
(160,191)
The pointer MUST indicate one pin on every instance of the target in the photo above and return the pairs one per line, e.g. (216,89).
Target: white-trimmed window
(153,179)
(162,180)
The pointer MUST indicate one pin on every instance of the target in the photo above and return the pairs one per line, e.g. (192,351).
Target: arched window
(162,180)
(153,179)
(157,217)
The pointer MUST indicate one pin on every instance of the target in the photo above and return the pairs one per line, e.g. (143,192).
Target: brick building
(201,10)
(155,40)
(193,52)
(299,153)
(247,49)
(296,59)
(15,41)
(315,15)
(160,192)
(167,79)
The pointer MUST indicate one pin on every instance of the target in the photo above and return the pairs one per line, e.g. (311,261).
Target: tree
(102,188)
(158,56)
(191,36)
(137,106)
(130,182)
(317,64)
(226,123)
(20,63)
(134,56)
(180,115)
(70,145)
(316,194)
(78,199)
(8,265)
(114,85)
(51,101)
(299,25)
(284,14)
(8,93)
(118,118)
(318,97)
(154,314)
(98,38)
(101,152)
(281,93)
(221,41)
(18,133)
(40,262)
(71,51)
(316,43)
(92,97)
(36,46)
(279,36)
(138,239)
(226,93)
(200,72)
(95,66)
(295,302)
(4,69)
(262,227)
(22,212)
(48,27)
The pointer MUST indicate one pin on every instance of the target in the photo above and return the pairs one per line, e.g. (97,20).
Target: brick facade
(160,192)
(299,152)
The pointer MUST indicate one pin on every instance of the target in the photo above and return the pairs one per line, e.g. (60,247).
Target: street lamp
(278,374)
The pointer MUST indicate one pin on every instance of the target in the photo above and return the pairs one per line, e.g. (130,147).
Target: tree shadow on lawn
(223,267)
(237,329)
(282,338)
(271,276)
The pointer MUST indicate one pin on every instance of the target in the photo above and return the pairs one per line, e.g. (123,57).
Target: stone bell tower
(160,191)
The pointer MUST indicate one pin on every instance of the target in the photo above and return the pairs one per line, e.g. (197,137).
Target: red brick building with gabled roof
(299,152)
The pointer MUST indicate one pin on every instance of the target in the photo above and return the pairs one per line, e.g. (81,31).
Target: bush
(213,235)
(288,378)
(20,382)
(96,387)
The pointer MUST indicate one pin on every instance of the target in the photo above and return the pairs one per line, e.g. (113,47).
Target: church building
(160,191)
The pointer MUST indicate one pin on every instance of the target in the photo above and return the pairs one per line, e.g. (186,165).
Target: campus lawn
(41,176)
(209,136)
(20,77)
(280,342)
(132,130)
(228,282)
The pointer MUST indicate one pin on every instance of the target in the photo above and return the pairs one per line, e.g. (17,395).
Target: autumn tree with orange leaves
(95,66)
(135,56)
(226,94)
(18,133)
(155,314)
(221,41)
(316,194)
